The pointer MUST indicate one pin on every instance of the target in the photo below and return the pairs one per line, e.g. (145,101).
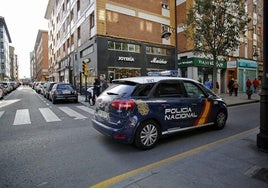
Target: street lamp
(168,30)
(262,137)
(166,34)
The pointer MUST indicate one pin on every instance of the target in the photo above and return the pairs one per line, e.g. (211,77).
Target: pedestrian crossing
(23,116)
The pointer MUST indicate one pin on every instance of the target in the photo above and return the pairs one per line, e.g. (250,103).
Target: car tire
(147,135)
(53,100)
(220,120)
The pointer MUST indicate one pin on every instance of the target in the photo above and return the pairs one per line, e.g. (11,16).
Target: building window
(78,5)
(157,50)
(78,33)
(91,20)
(122,46)
(72,39)
(71,15)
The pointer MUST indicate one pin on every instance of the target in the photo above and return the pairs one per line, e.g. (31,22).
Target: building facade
(5,40)
(14,73)
(40,57)
(119,38)
(246,62)
(122,38)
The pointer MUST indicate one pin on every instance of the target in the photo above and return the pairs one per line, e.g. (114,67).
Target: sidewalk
(242,98)
(231,162)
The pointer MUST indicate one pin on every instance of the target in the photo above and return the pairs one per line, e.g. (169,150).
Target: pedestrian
(230,86)
(96,90)
(235,87)
(103,83)
(256,85)
(208,84)
(248,83)
(217,87)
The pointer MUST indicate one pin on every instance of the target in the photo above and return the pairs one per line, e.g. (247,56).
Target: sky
(23,19)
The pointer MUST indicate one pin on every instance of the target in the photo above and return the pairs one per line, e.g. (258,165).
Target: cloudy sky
(23,19)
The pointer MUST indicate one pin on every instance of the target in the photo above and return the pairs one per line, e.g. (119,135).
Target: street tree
(216,28)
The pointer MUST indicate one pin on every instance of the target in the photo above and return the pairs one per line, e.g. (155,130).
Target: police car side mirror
(210,98)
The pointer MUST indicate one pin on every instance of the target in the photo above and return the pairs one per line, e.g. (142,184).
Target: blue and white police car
(139,110)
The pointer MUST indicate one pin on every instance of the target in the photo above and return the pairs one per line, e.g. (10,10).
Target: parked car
(1,92)
(4,89)
(48,88)
(140,110)
(39,87)
(63,91)
(7,86)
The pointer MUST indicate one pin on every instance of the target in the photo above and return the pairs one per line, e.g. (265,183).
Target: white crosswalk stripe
(49,115)
(22,117)
(86,109)
(72,113)
(1,113)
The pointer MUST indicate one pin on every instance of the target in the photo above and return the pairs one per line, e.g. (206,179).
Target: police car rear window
(142,90)
(120,89)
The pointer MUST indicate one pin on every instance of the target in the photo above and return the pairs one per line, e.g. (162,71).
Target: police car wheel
(147,135)
(220,120)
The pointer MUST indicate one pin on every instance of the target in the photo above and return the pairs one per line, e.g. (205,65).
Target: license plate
(66,92)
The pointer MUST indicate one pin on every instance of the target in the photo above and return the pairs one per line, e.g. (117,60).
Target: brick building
(246,62)
(40,57)
(120,38)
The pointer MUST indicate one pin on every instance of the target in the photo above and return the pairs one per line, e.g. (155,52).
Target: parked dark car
(140,110)
(63,91)
(48,88)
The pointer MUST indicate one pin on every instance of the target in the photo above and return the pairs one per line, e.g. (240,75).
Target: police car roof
(149,79)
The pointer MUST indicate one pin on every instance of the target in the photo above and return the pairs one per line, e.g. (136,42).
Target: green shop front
(201,69)
(247,69)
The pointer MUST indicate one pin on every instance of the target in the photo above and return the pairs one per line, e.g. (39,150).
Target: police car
(139,110)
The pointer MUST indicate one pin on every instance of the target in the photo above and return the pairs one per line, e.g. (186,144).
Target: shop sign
(247,63)
(209,63)
(158,61)
(128,59)
(200,62)
(231,64)
(186,62)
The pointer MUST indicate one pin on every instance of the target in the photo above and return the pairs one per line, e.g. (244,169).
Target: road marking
(49,115)
(8,102)
(86,109)
(22,117)
(119,178)
(1,113)
(72,113)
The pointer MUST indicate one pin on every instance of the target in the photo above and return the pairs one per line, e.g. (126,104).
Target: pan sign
(200,62)
(126,59)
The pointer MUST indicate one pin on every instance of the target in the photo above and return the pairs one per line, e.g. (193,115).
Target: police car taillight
(123,104)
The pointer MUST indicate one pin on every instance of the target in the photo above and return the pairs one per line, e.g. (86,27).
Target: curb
(242,103)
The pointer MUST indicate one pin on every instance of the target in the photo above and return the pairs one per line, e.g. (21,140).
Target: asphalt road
(57,146)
